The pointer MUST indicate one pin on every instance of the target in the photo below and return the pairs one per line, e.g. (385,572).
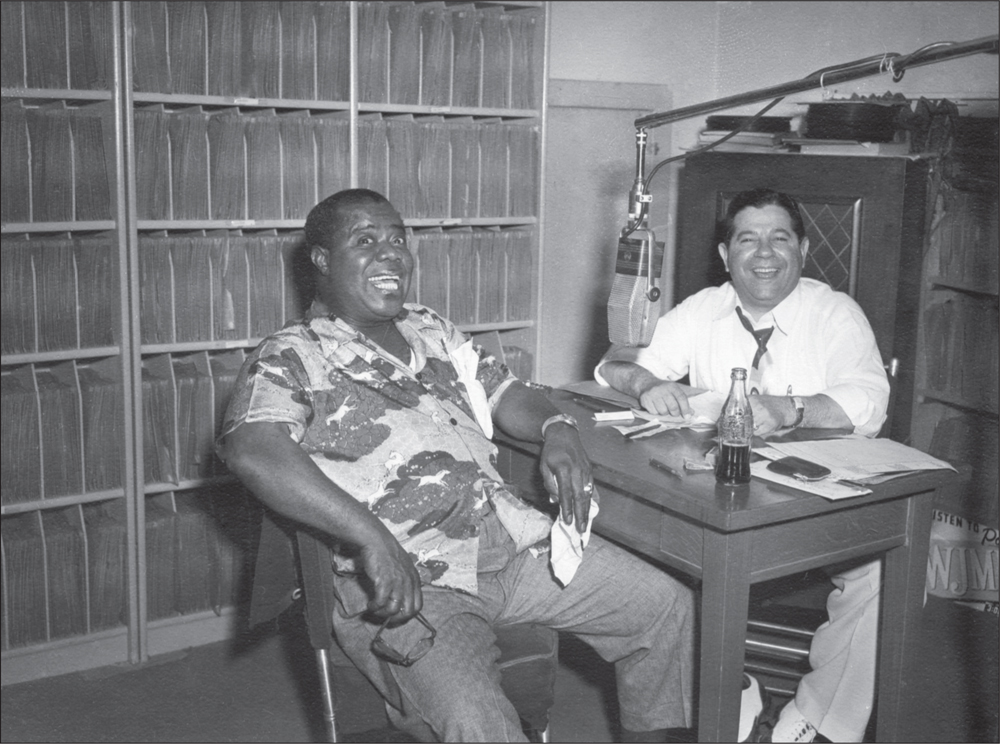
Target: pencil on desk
(588,403)
(636,432)
(660,465)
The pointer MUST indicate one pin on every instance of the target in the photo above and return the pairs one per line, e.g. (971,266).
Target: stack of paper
(705,407)
(855,463)
(863,460)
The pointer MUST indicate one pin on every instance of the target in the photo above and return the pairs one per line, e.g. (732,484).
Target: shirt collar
(781,317)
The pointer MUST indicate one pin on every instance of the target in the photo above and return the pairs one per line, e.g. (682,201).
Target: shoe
(792,726)
(751,706)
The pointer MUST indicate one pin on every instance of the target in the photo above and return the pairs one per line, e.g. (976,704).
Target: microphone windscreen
(631,315)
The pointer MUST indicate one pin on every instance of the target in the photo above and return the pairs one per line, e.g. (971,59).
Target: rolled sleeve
(272,387)
(615,354)
(856,379)
(861,406)
(667,355)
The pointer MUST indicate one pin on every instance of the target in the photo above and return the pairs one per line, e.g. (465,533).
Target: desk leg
(725,595)
(902,603)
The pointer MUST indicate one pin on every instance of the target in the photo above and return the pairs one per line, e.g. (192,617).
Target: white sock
(792,726)
(751,705)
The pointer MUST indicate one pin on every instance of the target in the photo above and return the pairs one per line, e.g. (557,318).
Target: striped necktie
(761,337)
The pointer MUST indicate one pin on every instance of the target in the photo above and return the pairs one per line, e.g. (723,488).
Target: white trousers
(836,696)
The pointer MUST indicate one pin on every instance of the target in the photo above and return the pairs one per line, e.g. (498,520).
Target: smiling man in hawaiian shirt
(371,420)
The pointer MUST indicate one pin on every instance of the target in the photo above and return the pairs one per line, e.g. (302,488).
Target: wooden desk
(730,538)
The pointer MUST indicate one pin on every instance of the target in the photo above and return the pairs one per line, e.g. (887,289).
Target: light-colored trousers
(632,613)
(836,696)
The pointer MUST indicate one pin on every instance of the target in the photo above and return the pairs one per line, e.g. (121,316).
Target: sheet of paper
(858,457)
(827,488)
(600,392)
(705,408)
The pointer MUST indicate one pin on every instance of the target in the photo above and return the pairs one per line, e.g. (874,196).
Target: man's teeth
(385,283)
(765,272)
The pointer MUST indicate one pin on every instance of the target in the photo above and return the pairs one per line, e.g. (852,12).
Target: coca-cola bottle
(735,433)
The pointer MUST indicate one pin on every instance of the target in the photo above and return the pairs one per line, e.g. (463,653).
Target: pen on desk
(588,403)
(659,465)
(636,432)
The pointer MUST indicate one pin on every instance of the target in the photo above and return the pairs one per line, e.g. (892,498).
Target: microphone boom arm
(892,62)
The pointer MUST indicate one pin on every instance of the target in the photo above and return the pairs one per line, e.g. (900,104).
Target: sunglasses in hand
(381,648)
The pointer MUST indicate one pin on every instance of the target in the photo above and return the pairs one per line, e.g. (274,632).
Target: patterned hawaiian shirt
(410,441)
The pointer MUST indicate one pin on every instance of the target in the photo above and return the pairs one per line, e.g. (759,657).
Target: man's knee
(465,715)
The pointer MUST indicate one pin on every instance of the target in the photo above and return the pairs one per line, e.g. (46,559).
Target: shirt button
(454,422)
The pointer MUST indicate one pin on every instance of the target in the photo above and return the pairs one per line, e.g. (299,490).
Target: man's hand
(285,478)
(773,412)
(770,413)
(567,475)
(394,579)
(667,398)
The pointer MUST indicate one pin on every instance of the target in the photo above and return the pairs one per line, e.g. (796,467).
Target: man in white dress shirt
(819,366)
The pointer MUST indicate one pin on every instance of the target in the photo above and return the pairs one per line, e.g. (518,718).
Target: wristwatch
(800,410)
(559,418)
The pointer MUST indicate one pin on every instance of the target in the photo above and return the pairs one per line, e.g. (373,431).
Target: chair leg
(329,712)
(546,734)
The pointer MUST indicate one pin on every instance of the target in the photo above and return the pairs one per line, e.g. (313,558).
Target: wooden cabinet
(956,403)
(159,161)
(865,219)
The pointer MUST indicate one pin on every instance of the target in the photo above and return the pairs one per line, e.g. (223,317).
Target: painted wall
(704,51)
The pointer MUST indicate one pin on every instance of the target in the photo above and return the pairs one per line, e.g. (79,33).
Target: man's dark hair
(324,217)
(762,198)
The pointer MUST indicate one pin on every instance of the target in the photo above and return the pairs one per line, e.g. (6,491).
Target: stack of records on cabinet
(760,134)
(743,141)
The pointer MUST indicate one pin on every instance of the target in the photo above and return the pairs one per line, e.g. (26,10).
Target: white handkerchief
(466,362)
(568,544)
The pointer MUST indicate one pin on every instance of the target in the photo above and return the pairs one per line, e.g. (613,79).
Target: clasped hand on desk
(771,412)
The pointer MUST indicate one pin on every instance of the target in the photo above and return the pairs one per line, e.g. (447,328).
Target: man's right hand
(667,398)
(394,578)
(284,477)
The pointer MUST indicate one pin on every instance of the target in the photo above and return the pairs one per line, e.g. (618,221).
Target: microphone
(634,303)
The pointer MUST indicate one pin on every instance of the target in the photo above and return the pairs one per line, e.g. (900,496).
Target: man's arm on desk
(771,412)
(566,473)
(654,395)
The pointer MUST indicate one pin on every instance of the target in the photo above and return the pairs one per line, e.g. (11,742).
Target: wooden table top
(695,495)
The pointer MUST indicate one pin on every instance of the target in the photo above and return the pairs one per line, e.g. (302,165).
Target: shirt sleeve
(272,387)
(491,373)
(856,379)
(494,376)
(667,355)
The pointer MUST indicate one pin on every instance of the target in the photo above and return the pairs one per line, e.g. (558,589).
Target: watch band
(559,418)
(800,411)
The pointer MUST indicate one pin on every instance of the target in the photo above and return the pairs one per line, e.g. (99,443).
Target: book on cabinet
(136,280)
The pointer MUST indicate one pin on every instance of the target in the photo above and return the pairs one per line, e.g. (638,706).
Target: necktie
(761,337)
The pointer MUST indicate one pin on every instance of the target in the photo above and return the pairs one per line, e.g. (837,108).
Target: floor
(263,691)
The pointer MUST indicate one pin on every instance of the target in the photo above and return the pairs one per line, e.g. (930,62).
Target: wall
(702,51)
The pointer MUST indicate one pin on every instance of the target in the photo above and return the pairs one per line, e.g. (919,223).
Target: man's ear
(724,253)
(321,258)
(804,247)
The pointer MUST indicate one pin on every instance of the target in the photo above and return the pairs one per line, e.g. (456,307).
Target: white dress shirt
(822,343)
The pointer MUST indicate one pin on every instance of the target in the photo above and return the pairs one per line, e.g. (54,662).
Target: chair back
(294,564)
(892,372)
